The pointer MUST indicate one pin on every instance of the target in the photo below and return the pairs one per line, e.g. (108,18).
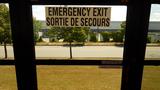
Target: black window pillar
(23,43)
(138,12)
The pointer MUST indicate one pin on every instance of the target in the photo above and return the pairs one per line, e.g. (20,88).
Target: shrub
(52,40)
(40,39)
(148,39)
(93,37)
(79,36)
(117,36)
(158,41)
(106,36)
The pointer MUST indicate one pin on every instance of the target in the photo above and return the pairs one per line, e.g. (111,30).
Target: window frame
(133,55)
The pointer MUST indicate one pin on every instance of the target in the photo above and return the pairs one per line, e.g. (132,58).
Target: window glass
(151,78)
(92,42)
(6,49)
(78,78)
(153,39)
(8,78)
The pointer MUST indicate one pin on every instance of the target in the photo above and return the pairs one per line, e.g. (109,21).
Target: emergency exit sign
(78,16)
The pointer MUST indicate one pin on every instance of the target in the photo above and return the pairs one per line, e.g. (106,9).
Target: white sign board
(78,16)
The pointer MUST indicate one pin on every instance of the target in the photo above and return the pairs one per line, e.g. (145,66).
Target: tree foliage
(68,34)
(5,30)
(117,36)
(93,37)
(37,25)
(79,34)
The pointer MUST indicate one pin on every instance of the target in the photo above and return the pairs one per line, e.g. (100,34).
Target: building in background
(153,33)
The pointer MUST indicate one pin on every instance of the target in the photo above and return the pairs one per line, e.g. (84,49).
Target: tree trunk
(70,46)
(5,50)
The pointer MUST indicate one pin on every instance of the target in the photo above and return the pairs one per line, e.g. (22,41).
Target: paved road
(85,51)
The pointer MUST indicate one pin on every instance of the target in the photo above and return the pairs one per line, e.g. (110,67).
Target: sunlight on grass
(7,78)
(151,78)
(78,78)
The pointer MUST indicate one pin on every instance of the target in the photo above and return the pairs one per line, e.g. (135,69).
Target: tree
(5,30)
(68,34)
(79,34)
(37,25)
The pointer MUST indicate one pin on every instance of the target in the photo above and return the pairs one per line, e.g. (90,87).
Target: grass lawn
(79,78)
(7,78)
(151,78)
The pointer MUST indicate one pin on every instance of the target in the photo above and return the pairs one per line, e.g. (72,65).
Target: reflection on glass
(151,78)
(153,39)
(78,78)
(6,50)
(7,78)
